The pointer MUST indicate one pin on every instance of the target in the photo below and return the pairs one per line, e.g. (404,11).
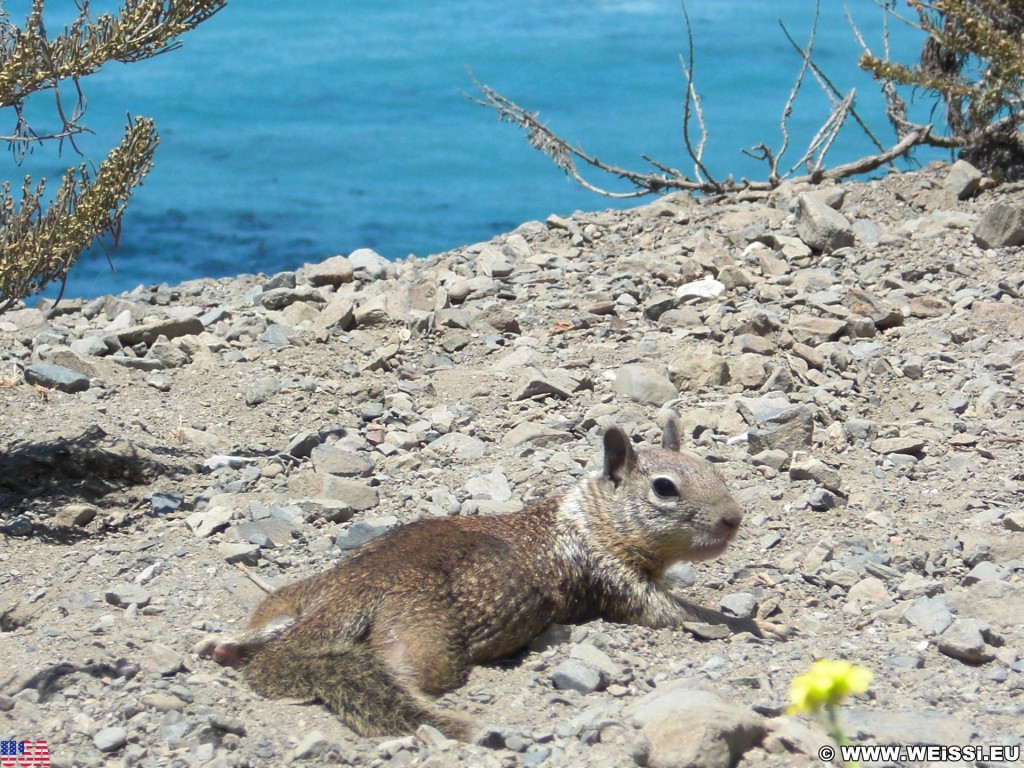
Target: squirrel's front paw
(777,630)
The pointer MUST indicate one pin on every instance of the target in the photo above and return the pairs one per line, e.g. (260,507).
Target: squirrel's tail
(355,684)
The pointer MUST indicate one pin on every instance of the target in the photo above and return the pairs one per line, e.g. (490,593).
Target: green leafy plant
(40,240)
(972,61)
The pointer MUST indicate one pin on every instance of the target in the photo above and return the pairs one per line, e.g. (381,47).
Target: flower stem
(836,732)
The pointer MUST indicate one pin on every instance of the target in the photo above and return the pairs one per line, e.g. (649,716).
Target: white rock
(705,288)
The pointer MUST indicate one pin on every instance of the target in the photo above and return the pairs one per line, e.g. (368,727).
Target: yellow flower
(826,684)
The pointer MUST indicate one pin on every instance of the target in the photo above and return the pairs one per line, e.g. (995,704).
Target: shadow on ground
(81,468)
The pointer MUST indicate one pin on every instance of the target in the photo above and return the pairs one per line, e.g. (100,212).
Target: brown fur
(409,613)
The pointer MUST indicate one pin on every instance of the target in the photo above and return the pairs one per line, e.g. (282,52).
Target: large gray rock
(270,532)
(301,445)
(171,327)
(166,354)
(705,288)
(577,675)
(997,601)
(1001,226)
(56,377)
(278,298)
(239,552)
(881,312)
(372,312)
(644,384)
(741,604)
(788,430)
(813,330)
(985,571)
(754,410)
(888,727)
(311,746)
(493,263)
(595,657)
(459,446)
(686,727)
(262,390)
(339,314)
(359,533)
(370,265)
(538,435)
(964,640)
(162,660)
(493,486)
(805,467)
(962,180)
(931,615)
(207,522)
(110,739)
(123,595)
(550,382)
(659,304)
(698,366)
(332,510)
(95,346)
(821,227)
(333,271)
(790,737)
(355,494)
(750,370)
(76,362)
(909,445)
(333,460)
(278,335)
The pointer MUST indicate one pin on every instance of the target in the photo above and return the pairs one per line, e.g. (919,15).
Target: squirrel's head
(672,505)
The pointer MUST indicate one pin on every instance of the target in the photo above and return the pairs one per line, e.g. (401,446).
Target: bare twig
(896,105)
(255,578)
(888,9)
(787,110)
(21,140)
(826,135)
(672,172)
(870,163)
(696,153)
(562,152)
(830,89)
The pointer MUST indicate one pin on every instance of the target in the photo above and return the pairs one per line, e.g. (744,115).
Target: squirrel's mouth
(713,543)
(709,547)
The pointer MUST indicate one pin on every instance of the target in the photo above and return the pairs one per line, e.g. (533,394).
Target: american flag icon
(16,753)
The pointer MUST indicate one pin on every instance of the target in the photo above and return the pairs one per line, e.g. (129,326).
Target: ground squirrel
(410,612)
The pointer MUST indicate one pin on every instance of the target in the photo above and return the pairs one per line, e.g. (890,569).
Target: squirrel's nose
(730,514)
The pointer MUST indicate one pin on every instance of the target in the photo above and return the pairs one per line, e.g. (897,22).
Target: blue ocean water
(294,131)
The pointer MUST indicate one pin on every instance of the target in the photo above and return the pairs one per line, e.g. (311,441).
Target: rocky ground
(851,358)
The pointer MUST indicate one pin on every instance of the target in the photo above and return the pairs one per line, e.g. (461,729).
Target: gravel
(856,377)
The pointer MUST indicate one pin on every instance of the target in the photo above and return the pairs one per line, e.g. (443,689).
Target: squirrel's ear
(619,457)
(670,434)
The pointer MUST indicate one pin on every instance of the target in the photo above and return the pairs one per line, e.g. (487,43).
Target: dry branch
(565,156)
(695,153)
(665,178)
(973,62)
(39,243)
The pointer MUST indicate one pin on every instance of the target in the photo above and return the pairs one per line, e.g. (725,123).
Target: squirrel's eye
(665,488)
